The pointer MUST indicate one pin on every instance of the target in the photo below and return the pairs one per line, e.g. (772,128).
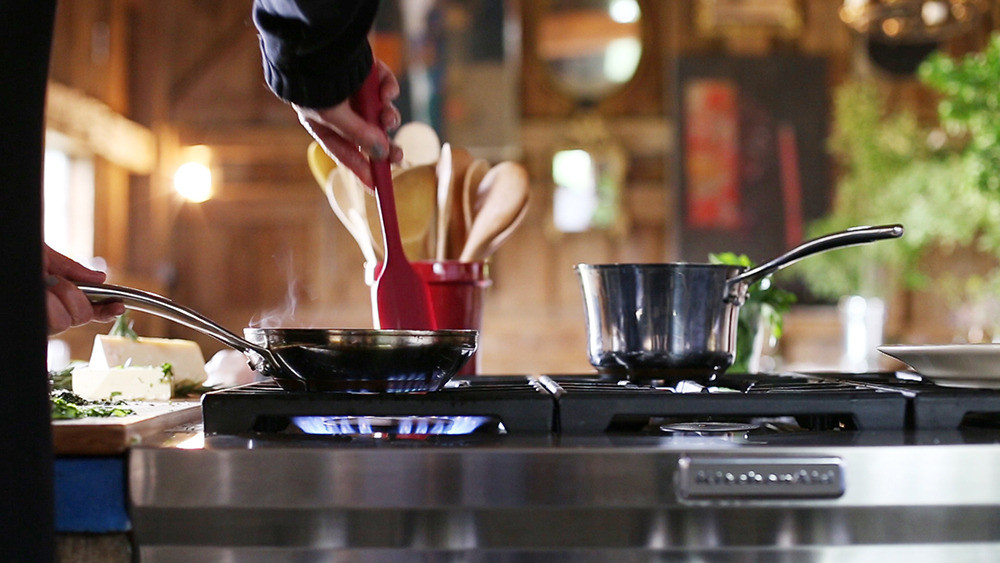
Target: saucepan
(322,359)
(678,321)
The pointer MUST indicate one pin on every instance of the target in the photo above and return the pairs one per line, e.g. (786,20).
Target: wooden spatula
(400,298)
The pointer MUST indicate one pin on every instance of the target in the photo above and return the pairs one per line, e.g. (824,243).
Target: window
(588,188)
(69,203)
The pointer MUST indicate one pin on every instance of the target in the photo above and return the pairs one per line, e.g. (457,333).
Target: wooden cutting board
(114,435)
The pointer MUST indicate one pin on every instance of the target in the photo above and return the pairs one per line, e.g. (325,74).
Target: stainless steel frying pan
(321,359)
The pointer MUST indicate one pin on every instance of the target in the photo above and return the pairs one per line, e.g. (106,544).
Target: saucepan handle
(736,286)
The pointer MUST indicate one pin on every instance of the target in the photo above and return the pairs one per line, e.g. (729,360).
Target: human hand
(66,306)
(348,137)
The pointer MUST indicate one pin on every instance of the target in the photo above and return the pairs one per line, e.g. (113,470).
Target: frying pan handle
(736,286)
(147,302)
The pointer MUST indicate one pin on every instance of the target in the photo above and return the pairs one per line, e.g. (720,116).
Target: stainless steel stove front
(885,495)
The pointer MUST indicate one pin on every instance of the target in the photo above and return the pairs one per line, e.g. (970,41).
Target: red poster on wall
(751,163)
(712,154)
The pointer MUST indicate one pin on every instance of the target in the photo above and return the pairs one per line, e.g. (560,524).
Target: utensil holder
(456,290)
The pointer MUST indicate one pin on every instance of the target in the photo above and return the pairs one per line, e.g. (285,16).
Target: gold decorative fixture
(912,21)
(728,17)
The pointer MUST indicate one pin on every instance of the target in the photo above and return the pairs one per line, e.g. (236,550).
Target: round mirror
(592,47)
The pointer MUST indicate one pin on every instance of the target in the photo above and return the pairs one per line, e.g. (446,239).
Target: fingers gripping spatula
(400,298)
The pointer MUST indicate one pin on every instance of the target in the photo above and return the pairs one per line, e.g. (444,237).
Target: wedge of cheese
(184,356)
(147,383)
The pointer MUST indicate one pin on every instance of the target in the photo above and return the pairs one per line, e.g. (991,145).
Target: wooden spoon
(420,144)
(415,190)
(338,192)
(457,230)
(445,195)
(360,207)
(401,298)
(503,208)
(470,189)
(356,207)
(320,163)
(362,200)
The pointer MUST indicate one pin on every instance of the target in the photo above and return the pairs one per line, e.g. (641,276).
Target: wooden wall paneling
(267,159)
(241,259)
(826,35)
(111,208)
(824,31)
(215,245)
(66,51)
(226,35)
(533,319)
(118,56)
(218,80)
(519,266)
(87,101)
(341,291)
(82,49)
(244,250)
(153,206)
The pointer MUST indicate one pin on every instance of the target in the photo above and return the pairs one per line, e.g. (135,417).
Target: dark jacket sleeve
(316,52)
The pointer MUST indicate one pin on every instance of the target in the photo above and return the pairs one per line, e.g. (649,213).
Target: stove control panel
(749,477)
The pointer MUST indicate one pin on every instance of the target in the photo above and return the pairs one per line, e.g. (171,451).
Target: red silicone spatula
(400,298)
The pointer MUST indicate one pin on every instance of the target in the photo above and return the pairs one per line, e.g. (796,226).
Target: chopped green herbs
(62,379)
(123,327)
(67,405)
(189,388)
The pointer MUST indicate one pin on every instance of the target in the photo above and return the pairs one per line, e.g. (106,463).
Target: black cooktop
(521,404)
(591,404)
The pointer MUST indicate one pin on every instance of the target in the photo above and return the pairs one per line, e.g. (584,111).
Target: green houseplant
(762,314)
(940,180)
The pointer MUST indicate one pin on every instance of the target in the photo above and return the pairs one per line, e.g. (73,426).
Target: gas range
(593,405)
(582,467)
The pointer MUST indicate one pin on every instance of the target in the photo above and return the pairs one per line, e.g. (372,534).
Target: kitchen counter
(91,473)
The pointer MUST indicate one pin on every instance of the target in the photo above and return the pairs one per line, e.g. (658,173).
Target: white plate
(958,365)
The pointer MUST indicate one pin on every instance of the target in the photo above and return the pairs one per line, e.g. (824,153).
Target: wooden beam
(640,136)
(285,142)
(98,127)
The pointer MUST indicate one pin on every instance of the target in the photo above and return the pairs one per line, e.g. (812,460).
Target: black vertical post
(27,520)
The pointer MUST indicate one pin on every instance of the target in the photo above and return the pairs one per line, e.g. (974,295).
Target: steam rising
(283,315)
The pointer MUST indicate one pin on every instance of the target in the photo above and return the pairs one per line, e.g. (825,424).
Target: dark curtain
(27,529)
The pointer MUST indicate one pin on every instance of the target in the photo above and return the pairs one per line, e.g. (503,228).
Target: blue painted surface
(90,495)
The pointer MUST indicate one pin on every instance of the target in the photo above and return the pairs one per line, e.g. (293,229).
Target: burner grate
(589,407)
(952,407)
(933,406)
(520,404)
